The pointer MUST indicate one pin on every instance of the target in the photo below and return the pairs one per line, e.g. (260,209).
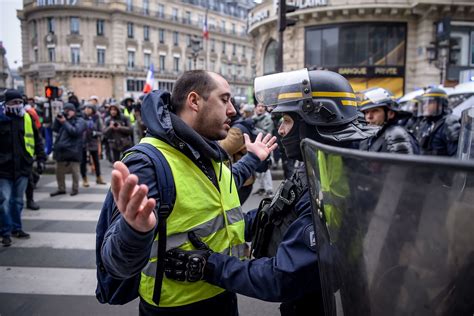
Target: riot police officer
(438,131)
(316,104)
(381,109)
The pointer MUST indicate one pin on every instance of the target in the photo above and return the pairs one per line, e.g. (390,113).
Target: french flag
(205,31)
(150,80)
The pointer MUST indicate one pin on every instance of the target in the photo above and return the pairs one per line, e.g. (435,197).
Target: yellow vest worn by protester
(29,136)
(129,115)
(214,215)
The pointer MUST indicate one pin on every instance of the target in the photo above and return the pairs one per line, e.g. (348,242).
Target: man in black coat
(67,149)
(20,143)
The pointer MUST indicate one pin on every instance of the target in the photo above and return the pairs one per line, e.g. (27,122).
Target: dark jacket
(439,135)
(68,143)
(391,138)
(119,138)
(125,252)
(93,132)
(14,159)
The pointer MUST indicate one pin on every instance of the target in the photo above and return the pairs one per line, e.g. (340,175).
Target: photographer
(67,149)
(117,132)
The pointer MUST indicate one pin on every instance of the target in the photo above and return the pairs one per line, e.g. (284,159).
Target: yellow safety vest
(130,115)
(29,136)
(215,215)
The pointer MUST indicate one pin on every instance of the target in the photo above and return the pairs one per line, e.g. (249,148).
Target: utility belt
(273,218)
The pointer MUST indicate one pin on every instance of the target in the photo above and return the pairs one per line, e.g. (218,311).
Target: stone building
(386,43)
(105,47)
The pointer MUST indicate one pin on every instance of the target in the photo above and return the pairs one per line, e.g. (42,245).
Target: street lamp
(195,49)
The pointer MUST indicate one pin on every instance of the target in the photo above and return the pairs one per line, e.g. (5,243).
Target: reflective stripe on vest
(214,215)
(29,136)
(130,115)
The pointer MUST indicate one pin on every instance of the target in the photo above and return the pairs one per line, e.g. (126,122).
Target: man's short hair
(198,81)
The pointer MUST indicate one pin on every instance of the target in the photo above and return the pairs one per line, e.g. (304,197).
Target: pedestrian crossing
(54,272)
(57,264)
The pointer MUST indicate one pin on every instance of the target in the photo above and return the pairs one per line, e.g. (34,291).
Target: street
(53,272)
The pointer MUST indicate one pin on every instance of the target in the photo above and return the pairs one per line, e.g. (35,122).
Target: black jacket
(68,144)
(15,161)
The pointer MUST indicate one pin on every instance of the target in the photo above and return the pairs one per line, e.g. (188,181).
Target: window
(188,40)
(234,49)
(270,57)
(190,64)
(460,41)
(147,60)
(146,7)
(129,5)
(35,54)
(75,55)
(100,56)
(361,44)
(34,29)
(130,29)
(131,59)
(212,66)
(51,54)
(162,62)
(472,49)
(223,47)
(161,11)
(74,25)
(161,35)
(233,28)
(176,63)
(146,33)
(50,23)
(188,17)
(134,85)
(175,38)
(100,27)
(244,51)
(213,45)
(174,14)
(223,26)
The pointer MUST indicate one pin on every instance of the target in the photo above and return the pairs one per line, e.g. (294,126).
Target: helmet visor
(376,96)
(282,88)
(410,106)
(430,106)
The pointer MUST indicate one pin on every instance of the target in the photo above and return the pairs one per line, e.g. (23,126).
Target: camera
(116,124)
(60,115)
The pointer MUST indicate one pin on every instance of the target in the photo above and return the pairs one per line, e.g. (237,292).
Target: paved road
(53,272)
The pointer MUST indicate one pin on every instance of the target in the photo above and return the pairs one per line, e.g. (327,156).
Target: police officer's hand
(40,167)
(262,147)
(183,265)
(131,199)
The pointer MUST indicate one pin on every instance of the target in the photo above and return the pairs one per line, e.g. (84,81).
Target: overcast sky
(10,33)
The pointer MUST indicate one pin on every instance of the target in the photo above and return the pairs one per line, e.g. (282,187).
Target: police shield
(395,233)
(466,137)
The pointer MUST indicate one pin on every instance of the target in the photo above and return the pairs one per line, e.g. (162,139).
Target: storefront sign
(370,71)
(303,4)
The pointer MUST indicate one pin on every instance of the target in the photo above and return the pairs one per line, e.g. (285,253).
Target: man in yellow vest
(19,143)
(185,127)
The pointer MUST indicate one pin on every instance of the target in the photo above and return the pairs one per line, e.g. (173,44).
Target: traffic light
(51,92)
(283,21)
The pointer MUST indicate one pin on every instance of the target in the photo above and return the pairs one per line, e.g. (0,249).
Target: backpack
(116,291)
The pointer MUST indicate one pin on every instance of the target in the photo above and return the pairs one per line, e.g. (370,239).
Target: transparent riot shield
(395,233)
(466,137)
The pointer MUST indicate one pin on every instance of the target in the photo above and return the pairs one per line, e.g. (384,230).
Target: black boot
(32,205)
(57,193)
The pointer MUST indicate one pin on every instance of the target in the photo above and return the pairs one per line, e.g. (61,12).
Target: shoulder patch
(310,237)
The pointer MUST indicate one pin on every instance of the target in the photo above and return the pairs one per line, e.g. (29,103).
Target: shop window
(270,58)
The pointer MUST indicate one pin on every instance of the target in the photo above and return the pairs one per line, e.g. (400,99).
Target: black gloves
(40,166)
(183,265)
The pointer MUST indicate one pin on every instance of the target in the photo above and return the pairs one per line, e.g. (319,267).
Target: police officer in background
(316,104)
(438,131)
(381,109)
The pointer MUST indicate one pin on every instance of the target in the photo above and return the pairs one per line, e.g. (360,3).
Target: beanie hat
(69,106)
(12,94)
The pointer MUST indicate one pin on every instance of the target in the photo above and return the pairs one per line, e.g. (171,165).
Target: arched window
(270,58)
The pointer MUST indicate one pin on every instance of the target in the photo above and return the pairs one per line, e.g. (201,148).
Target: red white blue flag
(205,31)
(150,80)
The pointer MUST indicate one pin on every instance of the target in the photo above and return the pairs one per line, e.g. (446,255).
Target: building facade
(397,44)
(106,47)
